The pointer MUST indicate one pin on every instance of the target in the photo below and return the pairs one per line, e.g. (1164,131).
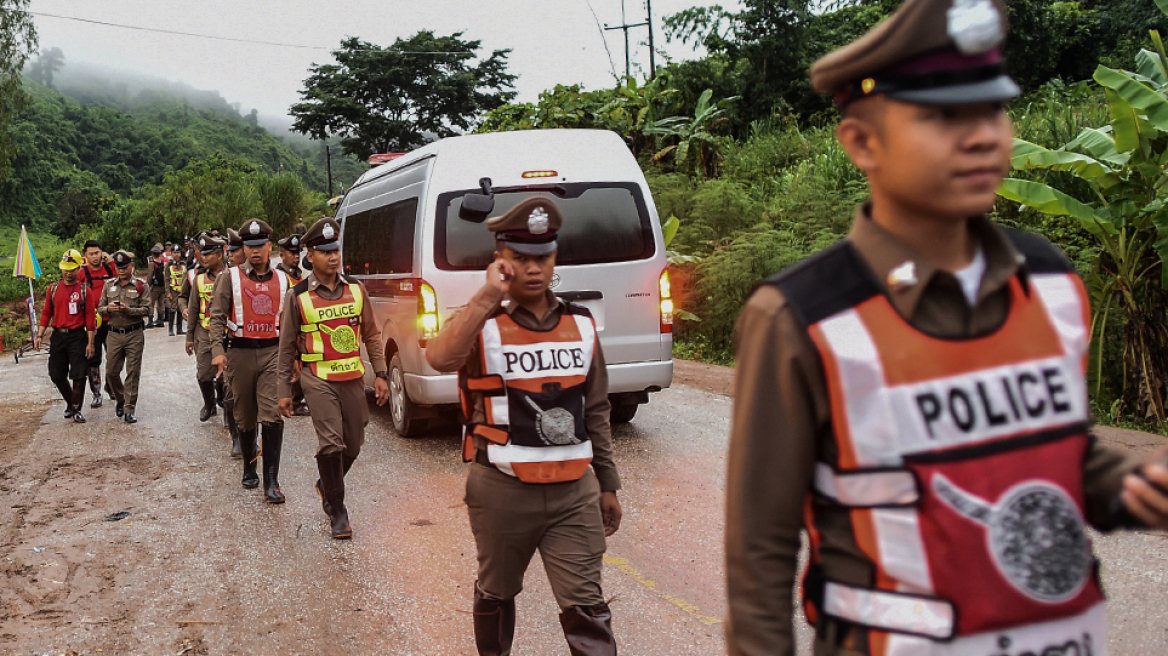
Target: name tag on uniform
(73,307)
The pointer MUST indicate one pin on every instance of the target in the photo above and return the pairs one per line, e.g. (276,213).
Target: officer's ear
(860,131)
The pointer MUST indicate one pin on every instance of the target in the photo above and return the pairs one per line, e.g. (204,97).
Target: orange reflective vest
(960,462)
(205,284)
(532,389)
(331,346)
(256,306)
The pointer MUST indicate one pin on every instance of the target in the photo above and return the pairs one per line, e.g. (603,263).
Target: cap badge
(537,223)
(327,232)
(202,243)
(295,241)
(254,229)
(867,85)
(904,275)
(975,26)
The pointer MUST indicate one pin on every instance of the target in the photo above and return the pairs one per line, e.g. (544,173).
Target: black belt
(247,343)
(66,331)
(129,329)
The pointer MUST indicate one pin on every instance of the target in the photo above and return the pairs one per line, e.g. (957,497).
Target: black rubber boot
(170,322)
(232,427)
(346,466)
(78,399)
(494,624)
(273,437)
(178,320)
(94,374)
(332,481)
(209,410)
(220,391)
(589,630)
(247,447)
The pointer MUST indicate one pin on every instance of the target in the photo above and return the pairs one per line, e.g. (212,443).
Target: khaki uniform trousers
(251,377)
(172,302)
(511,519)
(340,413)
(157,301)
(205,372)
(124,350)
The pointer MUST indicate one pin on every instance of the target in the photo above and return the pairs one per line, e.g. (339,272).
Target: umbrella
(27,267)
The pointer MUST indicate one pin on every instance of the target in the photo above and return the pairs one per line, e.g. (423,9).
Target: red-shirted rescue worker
(96,271)
(69,310)
(543,475)
(915,396)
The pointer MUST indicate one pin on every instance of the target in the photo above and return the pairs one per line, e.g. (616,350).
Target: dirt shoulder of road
(720,380)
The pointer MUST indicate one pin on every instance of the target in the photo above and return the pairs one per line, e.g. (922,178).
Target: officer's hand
(220,363)
(499,275)
(186,314)
(1146,498)
(286,409)
(610,511)
(381,390)
(190,348)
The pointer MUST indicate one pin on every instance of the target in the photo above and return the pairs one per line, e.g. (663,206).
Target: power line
(602,38)
(224,38)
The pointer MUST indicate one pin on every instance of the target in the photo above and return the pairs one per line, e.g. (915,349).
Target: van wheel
(623,413)
(402,410)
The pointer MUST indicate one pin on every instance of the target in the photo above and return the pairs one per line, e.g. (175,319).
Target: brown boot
(589,630)
(332,483)
(494,624)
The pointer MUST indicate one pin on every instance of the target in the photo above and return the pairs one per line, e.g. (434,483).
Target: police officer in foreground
(914,397)
(543,475)
(68,310)
(198,341)
(125,304)
(327,317)
(246,304)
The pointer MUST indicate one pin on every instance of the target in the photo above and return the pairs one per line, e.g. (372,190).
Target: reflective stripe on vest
(332,333)
(961,462)
(204,284)
(256,306)
(535,429)
(176,278)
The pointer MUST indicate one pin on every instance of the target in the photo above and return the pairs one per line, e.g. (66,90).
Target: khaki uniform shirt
(782,427)
(292,343)
(457,346)
(194,307)
(137,304)
(223,300)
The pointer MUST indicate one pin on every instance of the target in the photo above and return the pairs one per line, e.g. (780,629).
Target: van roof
(544,148)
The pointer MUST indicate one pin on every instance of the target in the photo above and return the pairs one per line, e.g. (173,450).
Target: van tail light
(427,313)
(666,303)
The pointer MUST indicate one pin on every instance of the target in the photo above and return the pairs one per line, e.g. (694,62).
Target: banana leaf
(1137,94)
(1149,65)
(1048,200)
(669,229)
(1028,156)
(1125,124)
(1098,143)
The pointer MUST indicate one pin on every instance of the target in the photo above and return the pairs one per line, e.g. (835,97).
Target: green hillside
(72,154)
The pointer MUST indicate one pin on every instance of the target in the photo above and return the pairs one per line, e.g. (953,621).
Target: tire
(623,413)
(402,411)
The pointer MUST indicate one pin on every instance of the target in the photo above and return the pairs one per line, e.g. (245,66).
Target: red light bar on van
(539,174)
(381,158)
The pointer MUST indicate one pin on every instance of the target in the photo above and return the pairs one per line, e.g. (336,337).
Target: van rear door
(605,262)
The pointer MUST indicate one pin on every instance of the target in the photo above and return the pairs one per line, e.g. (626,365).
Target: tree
(397,98)
(18,40)
(46,65)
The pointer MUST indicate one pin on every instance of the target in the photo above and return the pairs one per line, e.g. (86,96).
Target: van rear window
(603,222)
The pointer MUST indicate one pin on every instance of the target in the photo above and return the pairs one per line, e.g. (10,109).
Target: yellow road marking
(623,565)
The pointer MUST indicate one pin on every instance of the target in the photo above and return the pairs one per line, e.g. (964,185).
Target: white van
(403,237)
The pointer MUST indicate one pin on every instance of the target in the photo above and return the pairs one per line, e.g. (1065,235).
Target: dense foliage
(18,39)
(380,100)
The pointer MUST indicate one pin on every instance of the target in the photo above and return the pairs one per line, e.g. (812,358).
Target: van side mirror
(477,207)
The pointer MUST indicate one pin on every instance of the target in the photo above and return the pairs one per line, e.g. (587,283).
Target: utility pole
(626,26)
(328,164)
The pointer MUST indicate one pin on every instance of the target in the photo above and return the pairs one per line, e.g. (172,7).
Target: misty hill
(123,137)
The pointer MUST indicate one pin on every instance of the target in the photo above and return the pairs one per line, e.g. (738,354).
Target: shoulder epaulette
(300,287)
(826,283)
(580,310)
(1041,255)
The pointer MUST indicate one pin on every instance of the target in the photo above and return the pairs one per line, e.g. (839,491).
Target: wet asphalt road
(268,579)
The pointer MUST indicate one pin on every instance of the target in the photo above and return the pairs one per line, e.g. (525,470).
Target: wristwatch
(382,374)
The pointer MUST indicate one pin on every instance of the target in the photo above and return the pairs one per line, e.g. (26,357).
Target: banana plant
(696,147)
(1123,163)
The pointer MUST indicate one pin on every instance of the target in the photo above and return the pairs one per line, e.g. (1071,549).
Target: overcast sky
(553,41)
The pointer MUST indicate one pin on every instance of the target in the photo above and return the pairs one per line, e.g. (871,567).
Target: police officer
(156,277)
(543,475)
(291,248)
(94,274)
(914,397)
(246,304)
(198,341)
(327,317)
(69,310)
(235,257)
(176,272)
(125,304)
